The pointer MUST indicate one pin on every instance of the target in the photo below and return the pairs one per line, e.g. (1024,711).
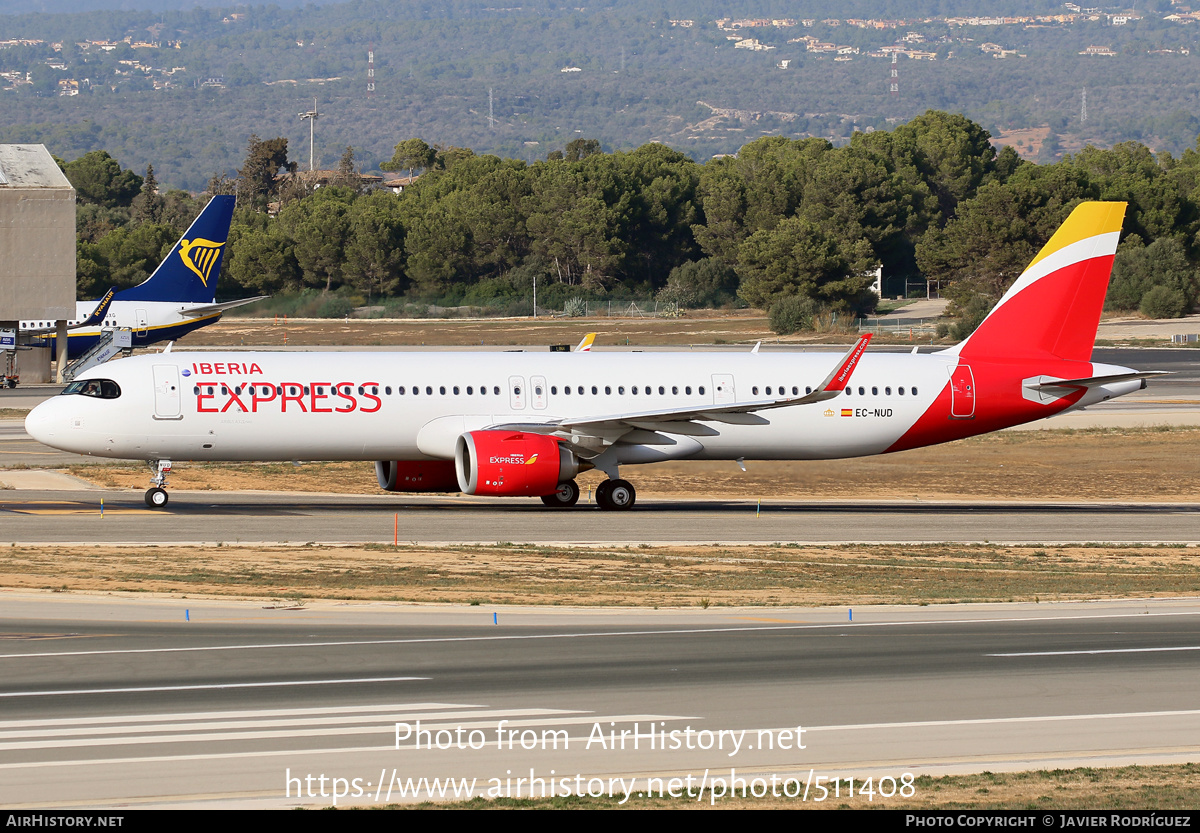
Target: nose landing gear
(156,496)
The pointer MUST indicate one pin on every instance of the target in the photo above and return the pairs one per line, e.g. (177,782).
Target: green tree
(799,258)
(265,159)
(375,247)
(578,149)
(318,227)
(1139,269)
(148,205)
(410,155)
(99,179)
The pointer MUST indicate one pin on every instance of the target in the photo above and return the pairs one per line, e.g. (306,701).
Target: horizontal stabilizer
(209,309)
(1097,381)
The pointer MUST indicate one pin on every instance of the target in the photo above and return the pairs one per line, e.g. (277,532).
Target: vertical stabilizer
(189,273)
(1054,308)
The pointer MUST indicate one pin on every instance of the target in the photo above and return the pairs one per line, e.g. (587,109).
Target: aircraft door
(537,389)
(516,393)
(962,392)
(723,390)
(167,396)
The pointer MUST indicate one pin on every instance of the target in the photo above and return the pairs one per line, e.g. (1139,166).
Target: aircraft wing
(209,309)
(609,428)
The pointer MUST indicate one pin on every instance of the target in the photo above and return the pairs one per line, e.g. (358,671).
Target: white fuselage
(150,321)
(414,406)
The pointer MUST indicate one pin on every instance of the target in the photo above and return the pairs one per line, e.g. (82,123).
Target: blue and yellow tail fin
(189,273)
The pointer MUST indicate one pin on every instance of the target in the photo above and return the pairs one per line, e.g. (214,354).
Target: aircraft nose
(42,423)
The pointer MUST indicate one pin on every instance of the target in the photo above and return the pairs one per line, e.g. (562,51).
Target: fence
(898,326)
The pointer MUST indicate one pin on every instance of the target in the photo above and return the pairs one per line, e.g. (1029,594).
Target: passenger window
(496,390)
(456,390)
(621,389)
(594,390)
(554,390)
(469,390)
(400,390)
(634,390)
(674,390)
(607,390)
(567,390)
(661,390)
(862,391)
(700,390)
(887,391)
(874,391)
(429,390)
(754,390)
(914,390)
(688,390)
(579,390)
(442,390)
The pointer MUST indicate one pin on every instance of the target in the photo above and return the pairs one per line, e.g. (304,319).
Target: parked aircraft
(180,296)
(527,423)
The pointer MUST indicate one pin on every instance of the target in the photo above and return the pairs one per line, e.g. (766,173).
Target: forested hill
(185,90)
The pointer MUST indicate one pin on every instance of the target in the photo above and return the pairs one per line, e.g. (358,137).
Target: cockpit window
(99,388)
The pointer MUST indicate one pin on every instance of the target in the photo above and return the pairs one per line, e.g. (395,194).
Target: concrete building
(37,245)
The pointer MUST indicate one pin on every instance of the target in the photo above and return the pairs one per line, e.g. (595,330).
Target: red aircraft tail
(1053,310)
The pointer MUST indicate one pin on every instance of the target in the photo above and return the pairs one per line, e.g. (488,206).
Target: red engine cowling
(510,463)
(416,475)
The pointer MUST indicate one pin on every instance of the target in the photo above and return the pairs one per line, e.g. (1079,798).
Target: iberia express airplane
(525,424)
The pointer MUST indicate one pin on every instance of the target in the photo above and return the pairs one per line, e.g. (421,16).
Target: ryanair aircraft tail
(189,273)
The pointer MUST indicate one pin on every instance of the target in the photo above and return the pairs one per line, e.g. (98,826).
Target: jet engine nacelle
(510,463)
(416,475)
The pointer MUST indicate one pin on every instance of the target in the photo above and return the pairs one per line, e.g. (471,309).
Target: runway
(241,517)
(110,702)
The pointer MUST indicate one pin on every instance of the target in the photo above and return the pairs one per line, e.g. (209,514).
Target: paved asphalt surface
(114,702)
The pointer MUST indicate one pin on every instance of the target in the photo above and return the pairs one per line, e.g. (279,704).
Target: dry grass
(660,577)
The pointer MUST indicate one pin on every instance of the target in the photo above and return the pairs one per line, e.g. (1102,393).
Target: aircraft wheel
(619,495)
(567,494)
(156,498)
(602,490)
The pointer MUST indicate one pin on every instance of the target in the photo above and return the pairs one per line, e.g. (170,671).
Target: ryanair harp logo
(200,256)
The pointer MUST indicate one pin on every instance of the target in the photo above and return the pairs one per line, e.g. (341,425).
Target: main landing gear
(610,495)
(616,495)
(567,494)
(156,496)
